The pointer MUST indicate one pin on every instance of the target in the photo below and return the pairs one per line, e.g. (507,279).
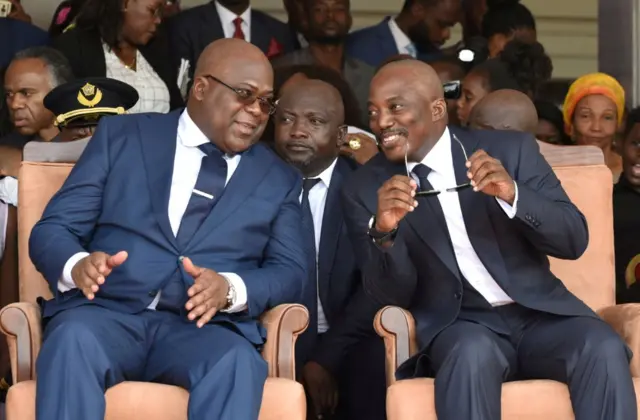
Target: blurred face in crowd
(329,21)
(141,20)
(406,117)
(497,42)
(548,133)
(295,14)
(474,88)
(232,99)
(309,126)
(448,72)
(433,24)
(26,83)
(631,157)
(237,6)
(595,121)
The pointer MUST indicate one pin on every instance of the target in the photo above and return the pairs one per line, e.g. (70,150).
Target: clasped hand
(207,295)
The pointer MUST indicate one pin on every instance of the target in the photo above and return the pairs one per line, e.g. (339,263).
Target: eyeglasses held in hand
(248,97)
(430,193)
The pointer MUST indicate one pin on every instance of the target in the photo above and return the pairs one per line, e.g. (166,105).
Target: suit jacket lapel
(475,210)
(252,169)
(158,136)
(258,36)
(213,29)
(332,221)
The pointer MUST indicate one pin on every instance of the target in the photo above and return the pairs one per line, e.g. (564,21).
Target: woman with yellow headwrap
(593,111)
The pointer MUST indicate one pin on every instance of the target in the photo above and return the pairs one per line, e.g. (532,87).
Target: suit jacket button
(153,293)
(457,295)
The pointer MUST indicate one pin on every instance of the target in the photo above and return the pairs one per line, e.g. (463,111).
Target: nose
(384,120)
(299,130)
(595,125)
(15,102)
(254,108)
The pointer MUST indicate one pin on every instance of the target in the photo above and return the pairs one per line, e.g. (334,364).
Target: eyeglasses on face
(248,97)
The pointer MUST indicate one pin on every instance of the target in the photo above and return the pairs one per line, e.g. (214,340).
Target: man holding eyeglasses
(456,227)
(171,236)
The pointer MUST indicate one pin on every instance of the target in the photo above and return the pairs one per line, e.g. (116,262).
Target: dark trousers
(471,362)
(362,388)
(89,349)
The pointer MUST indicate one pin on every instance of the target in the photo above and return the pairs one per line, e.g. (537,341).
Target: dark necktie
(422,172)
(238,33)
(206,193)
(310,294)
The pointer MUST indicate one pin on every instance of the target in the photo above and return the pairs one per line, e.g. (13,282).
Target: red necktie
(238,32)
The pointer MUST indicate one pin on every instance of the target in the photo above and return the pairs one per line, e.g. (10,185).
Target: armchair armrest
(397,327)
(21,323)
(284,324)
(625,320)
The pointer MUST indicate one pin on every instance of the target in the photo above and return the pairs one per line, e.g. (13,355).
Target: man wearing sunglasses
(341,357)
(456,227)
(171,236)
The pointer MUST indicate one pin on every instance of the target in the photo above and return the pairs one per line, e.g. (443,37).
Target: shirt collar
(403,43)
(227,16)
(325,176)
(439,158)
(189,134)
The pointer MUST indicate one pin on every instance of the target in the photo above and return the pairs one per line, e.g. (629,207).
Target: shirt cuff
(509,209)
(240,302)
(66,283)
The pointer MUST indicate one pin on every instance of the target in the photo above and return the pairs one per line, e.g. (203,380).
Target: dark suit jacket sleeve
(389,275)
(549,219)
(355,324)
(279,280)
(69,219)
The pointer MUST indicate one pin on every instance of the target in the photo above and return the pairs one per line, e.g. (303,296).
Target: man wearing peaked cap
(78,105)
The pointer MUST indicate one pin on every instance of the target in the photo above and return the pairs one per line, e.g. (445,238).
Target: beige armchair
(284,399)
(588,182)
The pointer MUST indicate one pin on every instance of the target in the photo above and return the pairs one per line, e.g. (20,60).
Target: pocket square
(275,48)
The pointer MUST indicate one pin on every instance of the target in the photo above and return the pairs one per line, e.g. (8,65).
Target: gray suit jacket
(357,73)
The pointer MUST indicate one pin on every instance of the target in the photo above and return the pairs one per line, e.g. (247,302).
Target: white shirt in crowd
(403,43)
(152,91)
(186,166)
(317,201)
(227,17)
(442,176)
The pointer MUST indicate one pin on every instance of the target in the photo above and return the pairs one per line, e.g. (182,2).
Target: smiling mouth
(392,139)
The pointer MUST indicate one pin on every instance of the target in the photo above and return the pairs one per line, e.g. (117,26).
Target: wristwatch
(378,237)
(231,294)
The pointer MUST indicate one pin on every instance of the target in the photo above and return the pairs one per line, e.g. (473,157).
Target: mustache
(393,131)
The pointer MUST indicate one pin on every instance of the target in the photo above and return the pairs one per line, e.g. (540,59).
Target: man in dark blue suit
(193,29)
(341,357)
(172,234)
(456,227)
(421,28)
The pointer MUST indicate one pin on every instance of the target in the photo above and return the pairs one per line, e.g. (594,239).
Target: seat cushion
(413,399)
(283,400)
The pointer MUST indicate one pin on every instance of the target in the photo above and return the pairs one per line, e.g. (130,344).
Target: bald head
(415,74)
(225,55)
(505,109)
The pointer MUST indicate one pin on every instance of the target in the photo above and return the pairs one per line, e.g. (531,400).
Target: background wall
(567,28)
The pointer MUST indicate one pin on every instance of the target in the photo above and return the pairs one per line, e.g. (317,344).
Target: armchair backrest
(38,182)
(589,184)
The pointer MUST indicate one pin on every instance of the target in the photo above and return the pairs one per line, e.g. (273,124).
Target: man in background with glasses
(171,236)
(456,227)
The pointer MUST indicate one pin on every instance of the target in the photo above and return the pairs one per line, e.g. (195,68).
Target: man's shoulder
(293,58)
(186,17)
(280,172)
(367,34)
(272,23)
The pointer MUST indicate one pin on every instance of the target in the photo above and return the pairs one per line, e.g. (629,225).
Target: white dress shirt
(317,202)
(227,17)
(443,176)
(186,166)
(403,43)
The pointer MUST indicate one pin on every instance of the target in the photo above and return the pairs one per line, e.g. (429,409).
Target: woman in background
(520,66)
(593,112)
(119,39)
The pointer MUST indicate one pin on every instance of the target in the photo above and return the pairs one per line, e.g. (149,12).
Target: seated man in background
(342,358)
(505,109)
(626,217)
(171,236)
(78,106)
(32,74)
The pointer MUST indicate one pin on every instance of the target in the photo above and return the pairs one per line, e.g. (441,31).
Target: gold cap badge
(88,91)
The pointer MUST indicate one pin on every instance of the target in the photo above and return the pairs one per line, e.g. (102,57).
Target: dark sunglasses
(248,97)
(452,90)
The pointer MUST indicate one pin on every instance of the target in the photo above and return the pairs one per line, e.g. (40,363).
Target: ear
(438,110)
(342,136)
(125,5)
(198,88)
